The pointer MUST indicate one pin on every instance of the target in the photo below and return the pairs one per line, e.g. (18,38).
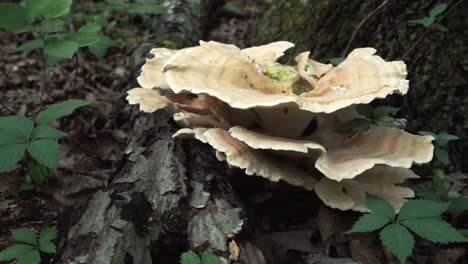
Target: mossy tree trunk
(437,62)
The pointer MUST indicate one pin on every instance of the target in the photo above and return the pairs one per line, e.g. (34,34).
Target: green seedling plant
(441,145)
(33,140)
(191,257)
(28,248)
(113,19)
(48,20)
(382,116)
(429,21)
(421,217)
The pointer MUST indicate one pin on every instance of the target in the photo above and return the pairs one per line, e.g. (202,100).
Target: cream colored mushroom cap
(223,71)
(151,72)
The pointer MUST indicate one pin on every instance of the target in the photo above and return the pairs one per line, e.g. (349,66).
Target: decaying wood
(167,190)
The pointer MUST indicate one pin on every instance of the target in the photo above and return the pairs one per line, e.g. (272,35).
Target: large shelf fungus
(285,122)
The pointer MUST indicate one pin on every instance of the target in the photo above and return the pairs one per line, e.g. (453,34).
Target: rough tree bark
(150,212)
(437,64)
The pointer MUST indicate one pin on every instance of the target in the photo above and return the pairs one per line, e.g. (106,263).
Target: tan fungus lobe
(309,69)
(380,181)
(151,74)
(253,161)
(269,53)
(148,100)
(224,72)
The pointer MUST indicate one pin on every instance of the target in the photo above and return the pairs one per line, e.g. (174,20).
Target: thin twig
(7,109)
(75,73)
(427,31)
(353,36)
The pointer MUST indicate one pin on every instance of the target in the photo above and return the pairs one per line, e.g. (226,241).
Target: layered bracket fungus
(284,122)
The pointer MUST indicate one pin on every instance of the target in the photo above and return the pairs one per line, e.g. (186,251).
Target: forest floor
(290,225)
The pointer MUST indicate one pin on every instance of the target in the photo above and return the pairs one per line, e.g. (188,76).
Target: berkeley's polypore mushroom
(285,122)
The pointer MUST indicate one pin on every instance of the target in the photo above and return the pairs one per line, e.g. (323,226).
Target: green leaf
(381,112)
(425,21)
(435,230)
(83,38)
(46,152)
(421,209)
(58,8)
(10,155)
(46,131)
(398,240)
(15,251)
(59,110)
(48,233)
(443,138)
(61,48)
(189,257)
(336,61)
(90,28)
(437,10)
(7,139)
(369,222)
(146,9)
(442,155)
(379,206)
(210,258)
(37,171)
(47,246)
(24,235)
(17,126)
(31,257)
(51,60)
(53,25)
(439,27)
(14,18)
(99,49)
(232,8)
(458,204)
(30,45)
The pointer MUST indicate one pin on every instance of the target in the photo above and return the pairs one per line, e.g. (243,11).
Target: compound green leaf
(24,235)
(61,48)
(435,230)
(7,139)
(442,155)
(439,27)
(37,171)
(369,223)
(84,38)
(379,206)
(210,258)
(17,126)
(458,204)
(14,18)
(58,8)
(30,45)
(398,240)
(31,257)
(47,246)
(99,48)
(421,209)
(38,8)
(46,152)
(48,233)
(10,155)
(59,110)
(53,25)
(46,131)
(189,257)
(15,251)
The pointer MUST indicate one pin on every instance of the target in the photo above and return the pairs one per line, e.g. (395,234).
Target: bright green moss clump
(280,73)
